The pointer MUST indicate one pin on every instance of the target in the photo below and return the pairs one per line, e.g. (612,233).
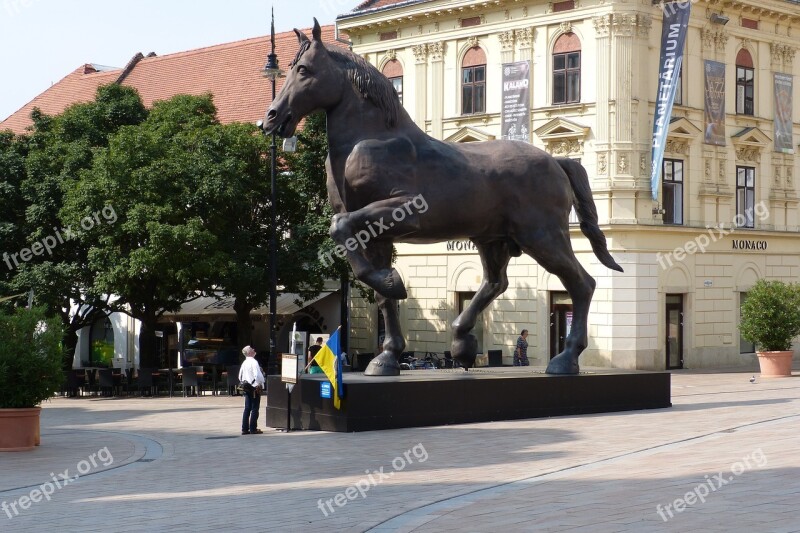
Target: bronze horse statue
(507,197)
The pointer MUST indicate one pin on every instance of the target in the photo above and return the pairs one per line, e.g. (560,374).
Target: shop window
(672,186)
(473,82)
(394,71)
(744,345)
(567,69)
(101,347)
(745,196)
(745,83)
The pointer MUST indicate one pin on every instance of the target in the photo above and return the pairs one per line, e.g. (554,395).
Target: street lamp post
(273,72)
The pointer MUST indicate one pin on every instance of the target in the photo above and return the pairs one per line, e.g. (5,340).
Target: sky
(41,41)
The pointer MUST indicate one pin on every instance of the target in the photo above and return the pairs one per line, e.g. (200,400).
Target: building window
(473,82)
(744,346)
(672,172)
(679,88)
(745,83)
(567,69)
(397,83)
(394,71)
(745,196)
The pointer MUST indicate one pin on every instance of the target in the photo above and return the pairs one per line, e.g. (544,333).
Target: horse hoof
(562,364)
(383,365)
(465,350)
(389,284)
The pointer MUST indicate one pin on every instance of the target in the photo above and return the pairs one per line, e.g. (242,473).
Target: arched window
(473,82)
(745,83)
(394,71)
(101,342)
(567,69)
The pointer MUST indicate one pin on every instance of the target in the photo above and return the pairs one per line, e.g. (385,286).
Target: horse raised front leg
(355,232)
(494,258)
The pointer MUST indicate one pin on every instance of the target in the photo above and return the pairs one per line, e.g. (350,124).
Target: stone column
(421,85)
(506,46)
(436,52)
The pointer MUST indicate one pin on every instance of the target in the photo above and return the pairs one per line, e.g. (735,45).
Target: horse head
(313,82)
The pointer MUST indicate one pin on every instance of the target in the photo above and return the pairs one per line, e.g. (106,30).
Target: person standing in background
(252,380)
(521,351)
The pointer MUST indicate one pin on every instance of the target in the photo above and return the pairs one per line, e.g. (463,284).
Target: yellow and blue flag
(329,361)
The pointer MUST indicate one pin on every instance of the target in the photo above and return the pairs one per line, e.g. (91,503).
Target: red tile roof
(79,85)
(232,72)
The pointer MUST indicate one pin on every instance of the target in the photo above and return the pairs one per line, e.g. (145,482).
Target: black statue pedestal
(438,397)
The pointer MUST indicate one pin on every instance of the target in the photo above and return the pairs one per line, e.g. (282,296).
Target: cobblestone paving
(723,458)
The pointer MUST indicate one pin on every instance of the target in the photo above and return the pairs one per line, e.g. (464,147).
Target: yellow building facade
(727,213)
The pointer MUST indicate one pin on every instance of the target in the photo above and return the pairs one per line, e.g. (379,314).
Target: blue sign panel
(325,389)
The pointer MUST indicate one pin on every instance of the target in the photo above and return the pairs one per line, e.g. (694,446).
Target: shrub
(30,358)
(771,315)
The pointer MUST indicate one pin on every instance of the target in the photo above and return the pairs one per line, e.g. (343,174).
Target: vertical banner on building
(515,121)
(783,113)
(673,35)
(715,103)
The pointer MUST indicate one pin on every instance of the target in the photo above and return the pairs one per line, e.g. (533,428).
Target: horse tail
(587,212)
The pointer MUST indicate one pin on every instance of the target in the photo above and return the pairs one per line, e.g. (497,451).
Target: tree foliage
(771,315)
(30,358)
(60,149)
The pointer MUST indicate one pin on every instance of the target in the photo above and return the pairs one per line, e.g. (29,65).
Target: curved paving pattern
(605,472)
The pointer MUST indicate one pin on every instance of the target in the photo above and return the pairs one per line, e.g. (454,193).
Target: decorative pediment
(468,134)
(679,135)
(562,136)
(749,144)
(682,128)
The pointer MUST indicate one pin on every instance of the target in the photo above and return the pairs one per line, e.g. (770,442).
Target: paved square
(723,458)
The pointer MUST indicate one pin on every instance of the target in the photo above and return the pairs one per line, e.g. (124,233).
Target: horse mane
(368,82)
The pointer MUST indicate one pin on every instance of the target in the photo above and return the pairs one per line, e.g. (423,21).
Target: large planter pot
(775,364)
(19,429)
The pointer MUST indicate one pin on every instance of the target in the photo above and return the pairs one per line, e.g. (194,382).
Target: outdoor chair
(233,379)
(144,380)
(72,383)
(189,380)
(106,381)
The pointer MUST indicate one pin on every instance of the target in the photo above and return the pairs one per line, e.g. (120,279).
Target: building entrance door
(674,333)
(560,321)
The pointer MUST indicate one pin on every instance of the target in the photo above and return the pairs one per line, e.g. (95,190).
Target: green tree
(60,148)
(13,150)
(158,176)
(241,194)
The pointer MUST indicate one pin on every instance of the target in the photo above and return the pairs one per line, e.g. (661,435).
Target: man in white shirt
(251,374)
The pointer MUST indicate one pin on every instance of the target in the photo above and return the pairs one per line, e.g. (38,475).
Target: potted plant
(770,320)
(30,372)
